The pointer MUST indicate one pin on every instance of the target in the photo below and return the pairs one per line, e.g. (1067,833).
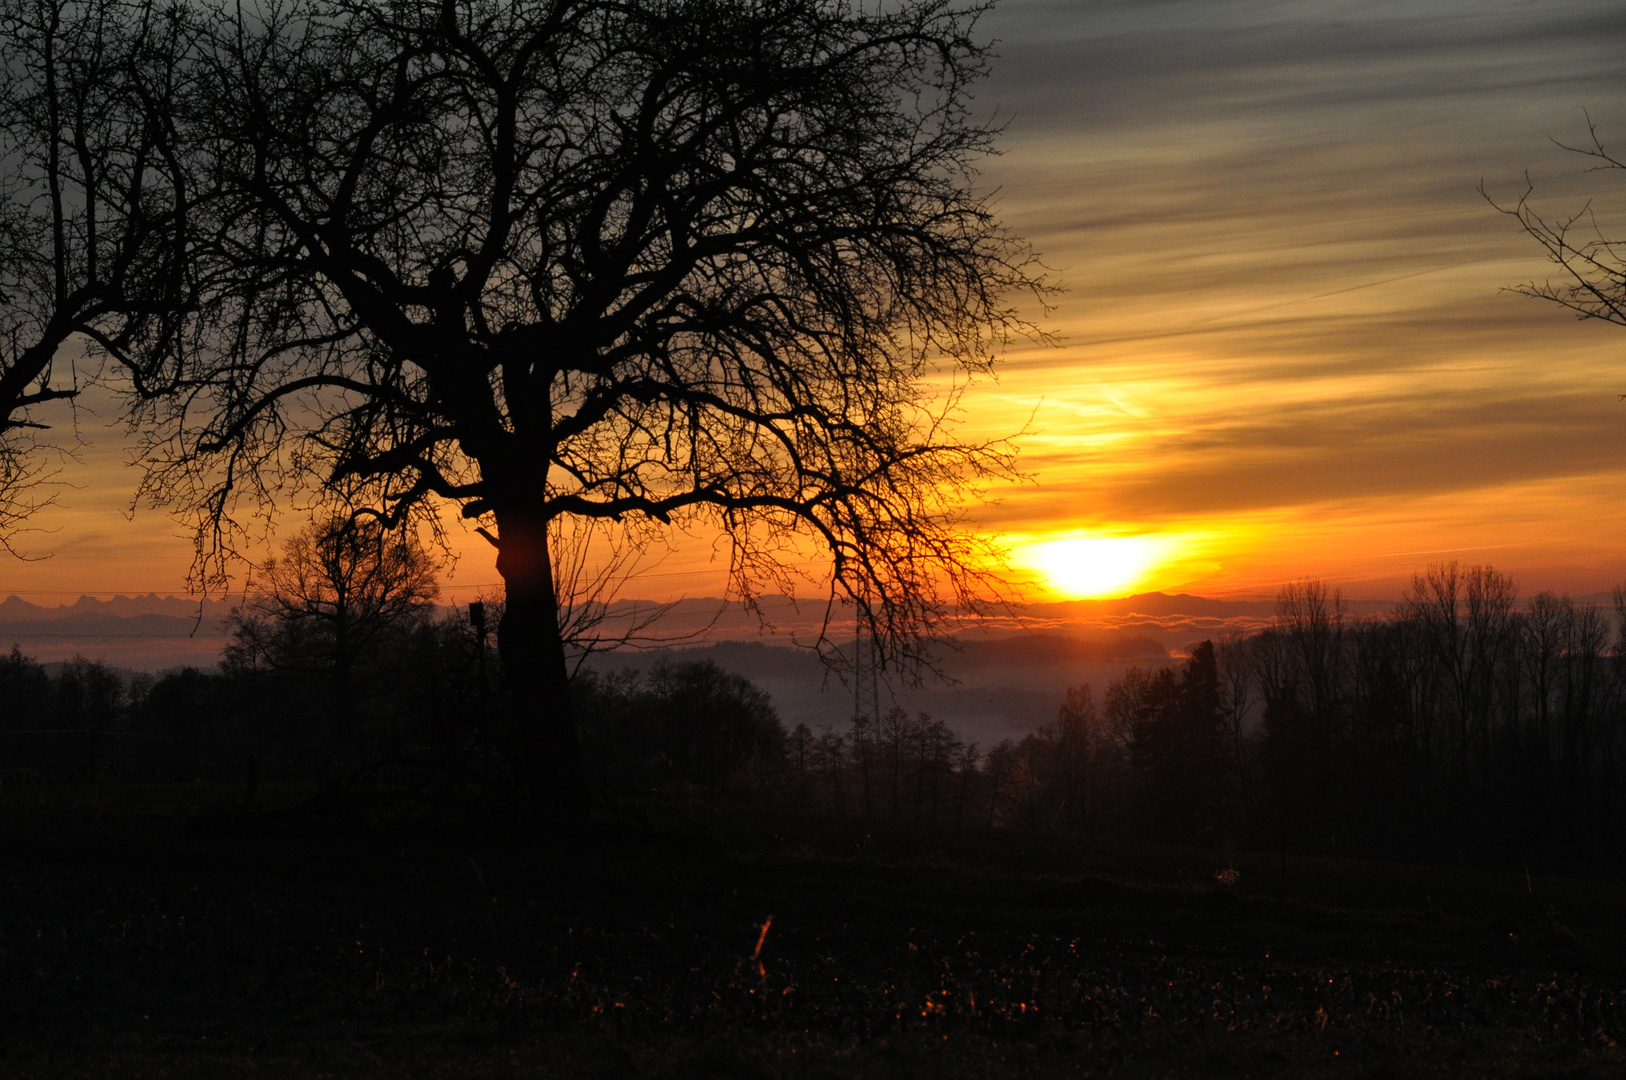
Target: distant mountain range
(138,633)
(15,609)
(150,616)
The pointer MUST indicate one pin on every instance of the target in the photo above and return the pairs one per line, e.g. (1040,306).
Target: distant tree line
(1461,726)
(1154,759)
(337,669)
(412,703)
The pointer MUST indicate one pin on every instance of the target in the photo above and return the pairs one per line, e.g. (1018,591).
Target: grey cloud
(1257,54)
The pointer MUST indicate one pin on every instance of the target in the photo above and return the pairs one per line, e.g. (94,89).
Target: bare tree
(1467,620)
(1541,637)
(1075,740)
(93,200)
(665,264)
(1582,692)
(1310,617)
(1234,661)
(1492,633)
(1434,603)
(341,588)
(1593,285)
(590,564)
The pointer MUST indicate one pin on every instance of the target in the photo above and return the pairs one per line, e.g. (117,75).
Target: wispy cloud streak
(1285,289)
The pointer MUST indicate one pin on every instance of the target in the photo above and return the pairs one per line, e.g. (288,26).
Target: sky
(1285,348)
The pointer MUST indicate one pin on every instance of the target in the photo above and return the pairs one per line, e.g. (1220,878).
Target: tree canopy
(614,261)
(93,202)
(694,263)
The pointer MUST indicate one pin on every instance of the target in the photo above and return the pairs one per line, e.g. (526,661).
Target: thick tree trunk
(533,656)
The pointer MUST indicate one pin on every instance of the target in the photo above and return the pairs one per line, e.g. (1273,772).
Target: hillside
(986,689)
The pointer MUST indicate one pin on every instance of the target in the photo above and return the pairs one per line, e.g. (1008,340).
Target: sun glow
(1087,567)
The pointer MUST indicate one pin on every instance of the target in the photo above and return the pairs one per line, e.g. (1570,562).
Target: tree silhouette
(681,726)
(1593,285)
(341,591)
(92,206)
(691,263)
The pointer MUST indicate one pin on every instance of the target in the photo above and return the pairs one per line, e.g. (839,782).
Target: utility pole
(477,619)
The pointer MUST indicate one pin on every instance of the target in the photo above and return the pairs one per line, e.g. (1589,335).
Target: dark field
(134,943)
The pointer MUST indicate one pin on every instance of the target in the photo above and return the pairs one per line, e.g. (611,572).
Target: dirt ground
(141,938)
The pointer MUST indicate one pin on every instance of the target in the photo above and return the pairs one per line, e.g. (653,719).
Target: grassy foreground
(136,944)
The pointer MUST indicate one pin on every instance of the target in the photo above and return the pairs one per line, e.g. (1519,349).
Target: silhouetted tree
(1301,665)
(1234,664)
(800,749)
(93,204)
(342,590)
(1492,636)
(893,735)
(1541,640)
(1583,695)
(1466,617)
(685,262)
(1311,620)
(1079,765)
(89,695)
(26,690)
(1594,266)
(683,726)
(1179,749)
(830,767)
(934,767)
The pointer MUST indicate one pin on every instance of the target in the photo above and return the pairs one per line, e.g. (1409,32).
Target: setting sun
(1084,567)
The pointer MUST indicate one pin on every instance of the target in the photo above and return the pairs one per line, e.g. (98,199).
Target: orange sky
(1284,348)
